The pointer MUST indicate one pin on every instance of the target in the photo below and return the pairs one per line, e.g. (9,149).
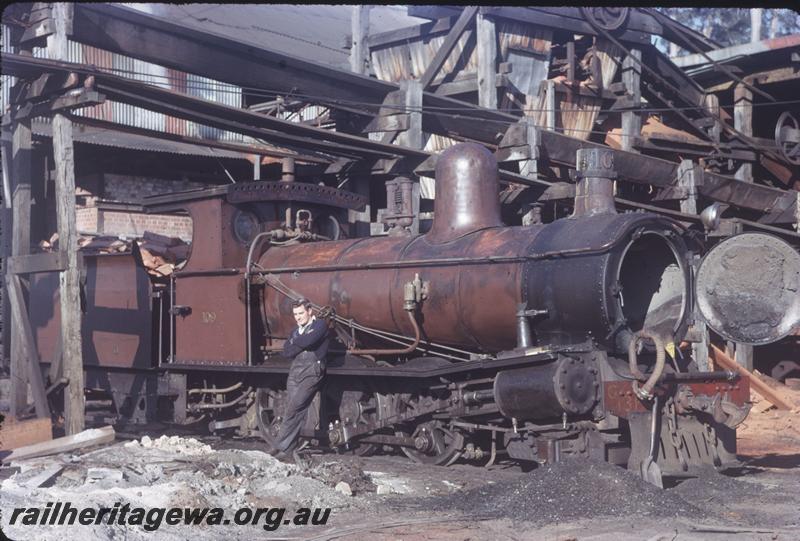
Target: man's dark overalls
(308,346)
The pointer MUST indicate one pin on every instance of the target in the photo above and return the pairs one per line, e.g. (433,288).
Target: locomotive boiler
(471,340)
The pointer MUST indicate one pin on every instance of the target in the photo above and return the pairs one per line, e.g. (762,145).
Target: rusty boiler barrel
(594,275)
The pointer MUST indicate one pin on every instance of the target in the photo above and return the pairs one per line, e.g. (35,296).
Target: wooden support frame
(73,99)
(459,28)
(481,124)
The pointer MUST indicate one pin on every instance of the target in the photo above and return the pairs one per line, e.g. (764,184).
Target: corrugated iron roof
(117,139)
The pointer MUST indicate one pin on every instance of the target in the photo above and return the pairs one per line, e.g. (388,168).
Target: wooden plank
(359,52)
(411,33)
(463,85)
(631,120)
(487,62)
(45,477)
(15,433)
(86,438)
(29,357)
(724,361)
(465,19)
(69,279)
(46,262)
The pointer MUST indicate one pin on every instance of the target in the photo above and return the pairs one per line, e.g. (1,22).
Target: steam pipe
(403,351)
(216,391)
(645,390)
(200,407)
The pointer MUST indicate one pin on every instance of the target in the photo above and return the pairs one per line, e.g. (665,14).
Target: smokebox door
(748,288)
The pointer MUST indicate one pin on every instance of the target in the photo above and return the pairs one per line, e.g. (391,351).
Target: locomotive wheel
(436,444)
(268,405)
(359,408)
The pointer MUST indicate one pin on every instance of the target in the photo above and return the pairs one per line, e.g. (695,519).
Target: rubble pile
(169,471)
(160,255)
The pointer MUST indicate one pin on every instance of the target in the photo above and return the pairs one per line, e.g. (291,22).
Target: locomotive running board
(396,371)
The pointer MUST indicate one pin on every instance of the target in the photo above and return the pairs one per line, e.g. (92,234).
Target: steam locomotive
(469,341)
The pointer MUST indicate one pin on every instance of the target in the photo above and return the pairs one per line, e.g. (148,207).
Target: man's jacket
(314,339)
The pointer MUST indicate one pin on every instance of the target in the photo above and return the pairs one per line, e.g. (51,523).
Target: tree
(731,26)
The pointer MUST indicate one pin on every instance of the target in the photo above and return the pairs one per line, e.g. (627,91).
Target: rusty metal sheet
(620,400)
(116,327)
(212,332)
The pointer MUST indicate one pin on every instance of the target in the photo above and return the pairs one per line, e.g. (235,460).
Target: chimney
(594,193)
(467,193)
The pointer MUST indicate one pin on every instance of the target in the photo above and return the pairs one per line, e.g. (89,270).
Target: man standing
(308,347)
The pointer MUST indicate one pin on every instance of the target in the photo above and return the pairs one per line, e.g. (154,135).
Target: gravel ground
(570,490)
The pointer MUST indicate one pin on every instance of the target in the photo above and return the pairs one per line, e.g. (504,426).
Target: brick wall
(132,224)
(130,189)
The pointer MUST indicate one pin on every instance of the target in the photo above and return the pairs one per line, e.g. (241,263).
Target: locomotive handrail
(572,252)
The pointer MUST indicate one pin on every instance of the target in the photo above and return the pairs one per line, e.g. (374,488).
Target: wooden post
(487,62)
(550,105)
(27,347)
(687,179)
(69,279)
(712,106)
(359,53)
(530,167)
(797,212)
(570,62)
(5,236)
(359,63)
(20,245)
(743,122)
(414,138)
(631,121)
